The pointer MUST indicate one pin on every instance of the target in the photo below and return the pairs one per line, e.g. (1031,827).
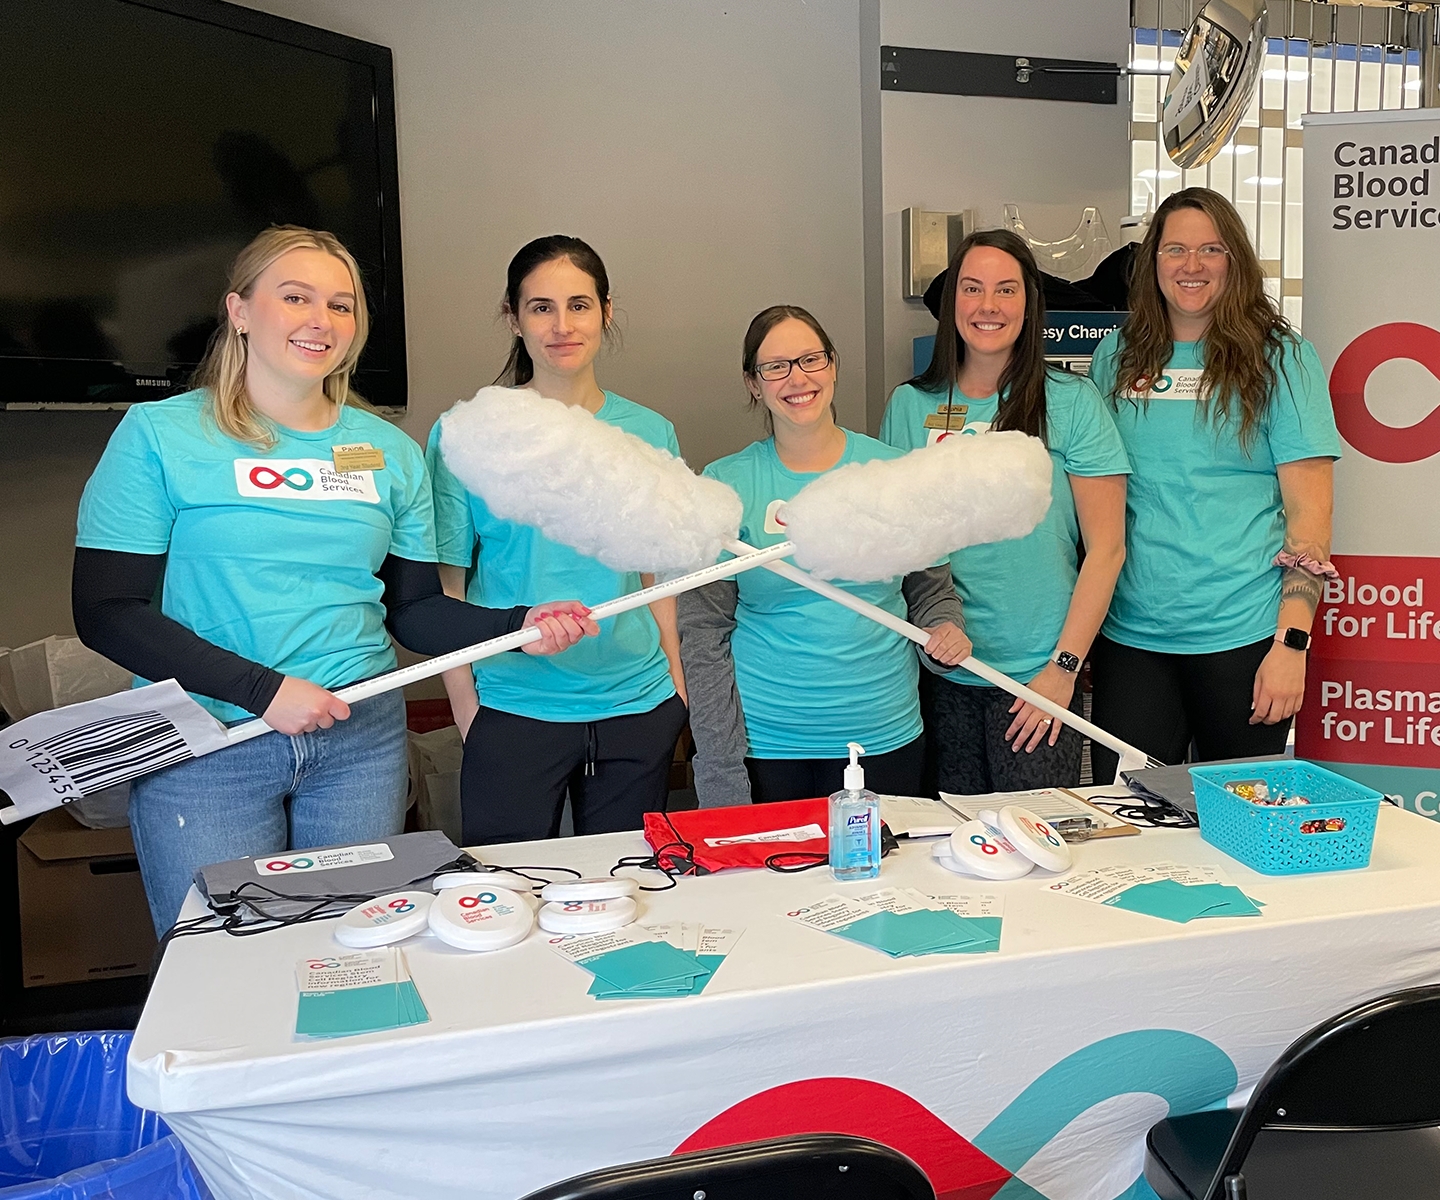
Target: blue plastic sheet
(68,1131)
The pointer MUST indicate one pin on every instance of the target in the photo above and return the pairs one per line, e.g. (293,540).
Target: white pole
(1130,757)
(521,637)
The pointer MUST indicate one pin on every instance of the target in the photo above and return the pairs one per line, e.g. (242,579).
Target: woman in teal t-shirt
(1226,415)
(600,722)
(781,678)
(1031,607)
(279,566)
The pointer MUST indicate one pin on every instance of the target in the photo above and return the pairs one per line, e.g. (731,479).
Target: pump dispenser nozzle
(855,773)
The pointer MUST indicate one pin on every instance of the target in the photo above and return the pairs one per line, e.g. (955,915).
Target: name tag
(359,456)
(954,422)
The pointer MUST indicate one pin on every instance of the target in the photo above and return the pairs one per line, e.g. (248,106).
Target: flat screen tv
(141,145)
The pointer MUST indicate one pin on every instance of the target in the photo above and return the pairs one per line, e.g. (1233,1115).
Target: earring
(240,329)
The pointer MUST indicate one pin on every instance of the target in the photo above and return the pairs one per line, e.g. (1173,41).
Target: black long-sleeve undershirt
(114,597)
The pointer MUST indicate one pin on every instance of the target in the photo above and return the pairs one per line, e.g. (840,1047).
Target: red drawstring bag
(793,834)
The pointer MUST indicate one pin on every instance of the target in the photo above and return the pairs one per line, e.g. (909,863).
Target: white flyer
(833,912)
(717,941)
(897,900)
(343,972)
(977,904)
(581,948)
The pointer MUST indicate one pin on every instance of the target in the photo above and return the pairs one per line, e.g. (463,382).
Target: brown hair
(1246,336)
(1022,382)
(221,372)
(760,329)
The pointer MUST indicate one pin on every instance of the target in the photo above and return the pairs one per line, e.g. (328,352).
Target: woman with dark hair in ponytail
(1031,607)
(1226,414)
(600,723)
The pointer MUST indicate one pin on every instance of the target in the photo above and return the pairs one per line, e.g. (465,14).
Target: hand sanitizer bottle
(854,825)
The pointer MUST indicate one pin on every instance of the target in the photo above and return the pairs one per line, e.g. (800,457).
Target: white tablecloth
(1051,1057)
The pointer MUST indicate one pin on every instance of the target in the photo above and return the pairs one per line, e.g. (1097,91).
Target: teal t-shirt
(1017,593)
(1203,519)
(621,671)
(811,674)
(271,554)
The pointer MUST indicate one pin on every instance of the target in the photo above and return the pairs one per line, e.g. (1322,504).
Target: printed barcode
(115,749)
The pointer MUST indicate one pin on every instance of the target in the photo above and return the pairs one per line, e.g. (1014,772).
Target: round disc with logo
(588,916)
(480,918)
(384,920)
(605,888)
(1035,838)
(982,850)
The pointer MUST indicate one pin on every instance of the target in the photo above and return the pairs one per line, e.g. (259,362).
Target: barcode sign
(113,750)
(62,754)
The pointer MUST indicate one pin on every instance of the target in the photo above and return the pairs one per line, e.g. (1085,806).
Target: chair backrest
(1374,1067)
(817,1166)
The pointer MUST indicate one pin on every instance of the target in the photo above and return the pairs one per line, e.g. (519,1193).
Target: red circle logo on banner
(1357,424)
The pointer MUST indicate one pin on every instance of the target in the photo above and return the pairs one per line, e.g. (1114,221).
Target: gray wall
(948,153)
(710,152)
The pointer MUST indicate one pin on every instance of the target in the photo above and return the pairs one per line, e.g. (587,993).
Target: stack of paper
(343,994)
(1172,891)
(903,923)
(638,963)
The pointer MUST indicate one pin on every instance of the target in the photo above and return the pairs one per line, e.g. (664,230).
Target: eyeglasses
(1176,254)
(780,368)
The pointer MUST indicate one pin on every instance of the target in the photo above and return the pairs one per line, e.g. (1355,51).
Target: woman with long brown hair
(1226,416)
(1031,608)
(284,528)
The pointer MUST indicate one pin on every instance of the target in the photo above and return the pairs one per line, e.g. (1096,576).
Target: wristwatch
(1295,639)
(1067,662)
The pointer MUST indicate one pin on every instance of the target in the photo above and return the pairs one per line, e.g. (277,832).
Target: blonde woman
(278,563)
(1226,416)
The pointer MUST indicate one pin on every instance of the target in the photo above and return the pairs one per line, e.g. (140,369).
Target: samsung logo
(142,381)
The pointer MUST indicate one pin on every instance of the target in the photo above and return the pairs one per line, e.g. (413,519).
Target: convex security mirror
(1216,69)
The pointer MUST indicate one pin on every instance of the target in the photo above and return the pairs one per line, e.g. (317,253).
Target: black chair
(813,1166)
(1351,1110)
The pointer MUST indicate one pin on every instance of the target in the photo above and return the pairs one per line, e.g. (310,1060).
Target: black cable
(1154,813)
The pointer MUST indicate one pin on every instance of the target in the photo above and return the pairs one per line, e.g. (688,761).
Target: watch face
(1067,661)
(1297,639)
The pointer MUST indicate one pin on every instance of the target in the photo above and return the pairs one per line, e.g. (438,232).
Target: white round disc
(941,853)
(983,850)
(501,879)
(1035,838)
(480,918)
(588,916)
(384,920)
(607,887)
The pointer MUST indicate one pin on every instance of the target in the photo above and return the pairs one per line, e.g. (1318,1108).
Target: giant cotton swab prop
(1130,757)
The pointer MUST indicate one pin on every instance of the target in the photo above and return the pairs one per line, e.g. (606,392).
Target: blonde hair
(221,372)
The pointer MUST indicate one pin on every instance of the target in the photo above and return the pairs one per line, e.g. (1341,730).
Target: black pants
(517,772)
(894,773)
(1160,703)
(971,755)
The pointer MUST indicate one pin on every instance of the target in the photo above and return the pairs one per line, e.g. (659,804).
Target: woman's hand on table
(1031,724)
(561,623)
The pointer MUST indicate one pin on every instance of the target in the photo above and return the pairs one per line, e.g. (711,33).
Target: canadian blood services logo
(1357,424)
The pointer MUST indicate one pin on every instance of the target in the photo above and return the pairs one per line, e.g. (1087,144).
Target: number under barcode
(110,751)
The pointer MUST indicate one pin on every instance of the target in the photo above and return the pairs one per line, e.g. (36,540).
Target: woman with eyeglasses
(1032,607)
(600,722)
(780,678)
(1226,415)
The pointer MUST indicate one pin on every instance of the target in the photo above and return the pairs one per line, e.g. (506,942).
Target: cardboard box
(83,913)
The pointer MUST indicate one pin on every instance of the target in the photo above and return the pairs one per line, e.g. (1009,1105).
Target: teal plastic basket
(1286,841)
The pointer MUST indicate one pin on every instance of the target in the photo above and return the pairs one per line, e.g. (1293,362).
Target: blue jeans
(331,787)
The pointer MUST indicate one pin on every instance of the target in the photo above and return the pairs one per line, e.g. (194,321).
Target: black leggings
(894,773)
(1160,703)
(517,771)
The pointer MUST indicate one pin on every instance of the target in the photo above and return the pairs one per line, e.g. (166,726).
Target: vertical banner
(1372,308)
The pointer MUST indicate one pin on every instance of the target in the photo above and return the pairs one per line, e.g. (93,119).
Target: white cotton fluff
(585,483)
(888,517)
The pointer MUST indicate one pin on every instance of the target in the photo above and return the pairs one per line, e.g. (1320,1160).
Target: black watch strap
(1296,639)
